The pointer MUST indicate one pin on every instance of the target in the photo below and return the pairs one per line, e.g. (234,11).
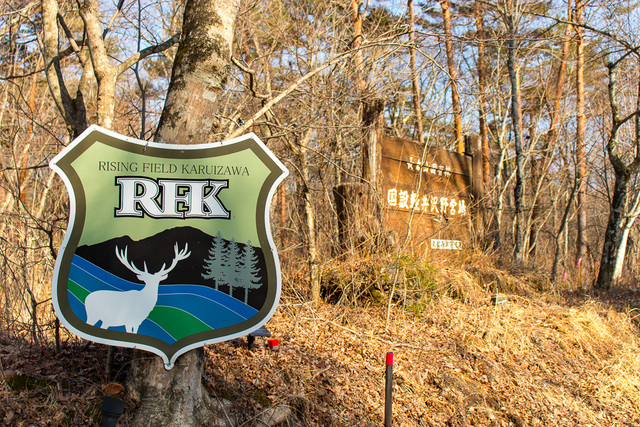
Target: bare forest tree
(550,87)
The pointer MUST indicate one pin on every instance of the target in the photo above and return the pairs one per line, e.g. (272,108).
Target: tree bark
(200,71)
(539,167)
(453,76)
(71,109)
(623,174)
(561,231)
(417,99)
(356,21)
(606,277)
(482,84)
(489,217)
(631,216)
(517,137)
(581,168)
(621,249)
(372,124)
(176,397)
(310,218)
(104,71)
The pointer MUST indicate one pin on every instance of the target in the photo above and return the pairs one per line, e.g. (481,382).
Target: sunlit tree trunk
(516,123)
(200,71)
(623,173)
(72,109)
(453,76)
(561,233)
(356,22)
(482,84)
(540,167)
(105,73)
(621,250)
(415,81)
(606,276)
(581,168)
(310,217)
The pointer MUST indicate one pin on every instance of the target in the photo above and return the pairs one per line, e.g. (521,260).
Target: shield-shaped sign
(168,246)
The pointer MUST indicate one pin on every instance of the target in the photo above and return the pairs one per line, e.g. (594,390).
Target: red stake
(388,391)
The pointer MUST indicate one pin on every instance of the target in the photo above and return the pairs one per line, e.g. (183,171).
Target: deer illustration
(129,308)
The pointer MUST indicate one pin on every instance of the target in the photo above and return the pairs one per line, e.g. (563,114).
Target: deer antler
(122,256)
(180,255)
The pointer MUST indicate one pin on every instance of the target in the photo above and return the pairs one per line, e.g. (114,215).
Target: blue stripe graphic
(213,308)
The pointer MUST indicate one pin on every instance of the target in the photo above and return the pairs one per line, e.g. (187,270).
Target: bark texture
(310,218)
(581,168)
(623,173)
(176,397)
(106,74)
(453,75)
(356,21)
(540,166)
(417,99)
(200,71)
(372,122)
(606,276)
(72,109)
(482,84)
(519,251)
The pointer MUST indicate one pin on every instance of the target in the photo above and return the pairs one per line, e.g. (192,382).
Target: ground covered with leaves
(544,357)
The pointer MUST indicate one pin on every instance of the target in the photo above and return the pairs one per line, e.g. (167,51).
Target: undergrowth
(547,355)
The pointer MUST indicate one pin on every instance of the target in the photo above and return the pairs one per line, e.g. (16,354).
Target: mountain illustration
(156,250)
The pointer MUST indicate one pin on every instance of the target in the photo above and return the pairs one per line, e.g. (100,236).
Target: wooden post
(373,125)
(357,204)
(477,181)
(474,148)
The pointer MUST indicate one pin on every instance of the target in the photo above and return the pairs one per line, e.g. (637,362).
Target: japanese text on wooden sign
(427,193)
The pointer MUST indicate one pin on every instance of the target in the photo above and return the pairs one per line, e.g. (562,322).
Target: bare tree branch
(148,51)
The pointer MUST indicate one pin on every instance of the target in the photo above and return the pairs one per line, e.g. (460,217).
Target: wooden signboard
(426,192)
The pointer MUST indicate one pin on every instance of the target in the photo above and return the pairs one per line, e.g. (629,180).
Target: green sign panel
(168,246)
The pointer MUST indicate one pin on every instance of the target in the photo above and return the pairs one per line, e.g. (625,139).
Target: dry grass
(539,359)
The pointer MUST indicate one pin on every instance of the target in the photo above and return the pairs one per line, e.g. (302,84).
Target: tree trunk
(606,276)
(105,73)
(517,137)
(621,251)
(453,75)
(372,124)
(482,84)
(176,397)
(200,71)
(71,109)
(356,21)
(561,231)
(310,219)
(370,107)
(581,168)
(540,167)
(489,217)
(623,174)
(417,102)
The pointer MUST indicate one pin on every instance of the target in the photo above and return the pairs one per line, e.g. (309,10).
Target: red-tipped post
(388,392)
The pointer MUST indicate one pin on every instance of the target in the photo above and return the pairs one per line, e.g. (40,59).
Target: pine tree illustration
(232,265)
(214,265)
(250,277)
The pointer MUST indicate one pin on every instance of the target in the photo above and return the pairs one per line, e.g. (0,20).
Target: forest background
(551,88)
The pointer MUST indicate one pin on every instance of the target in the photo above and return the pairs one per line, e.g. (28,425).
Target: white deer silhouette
(129,308)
